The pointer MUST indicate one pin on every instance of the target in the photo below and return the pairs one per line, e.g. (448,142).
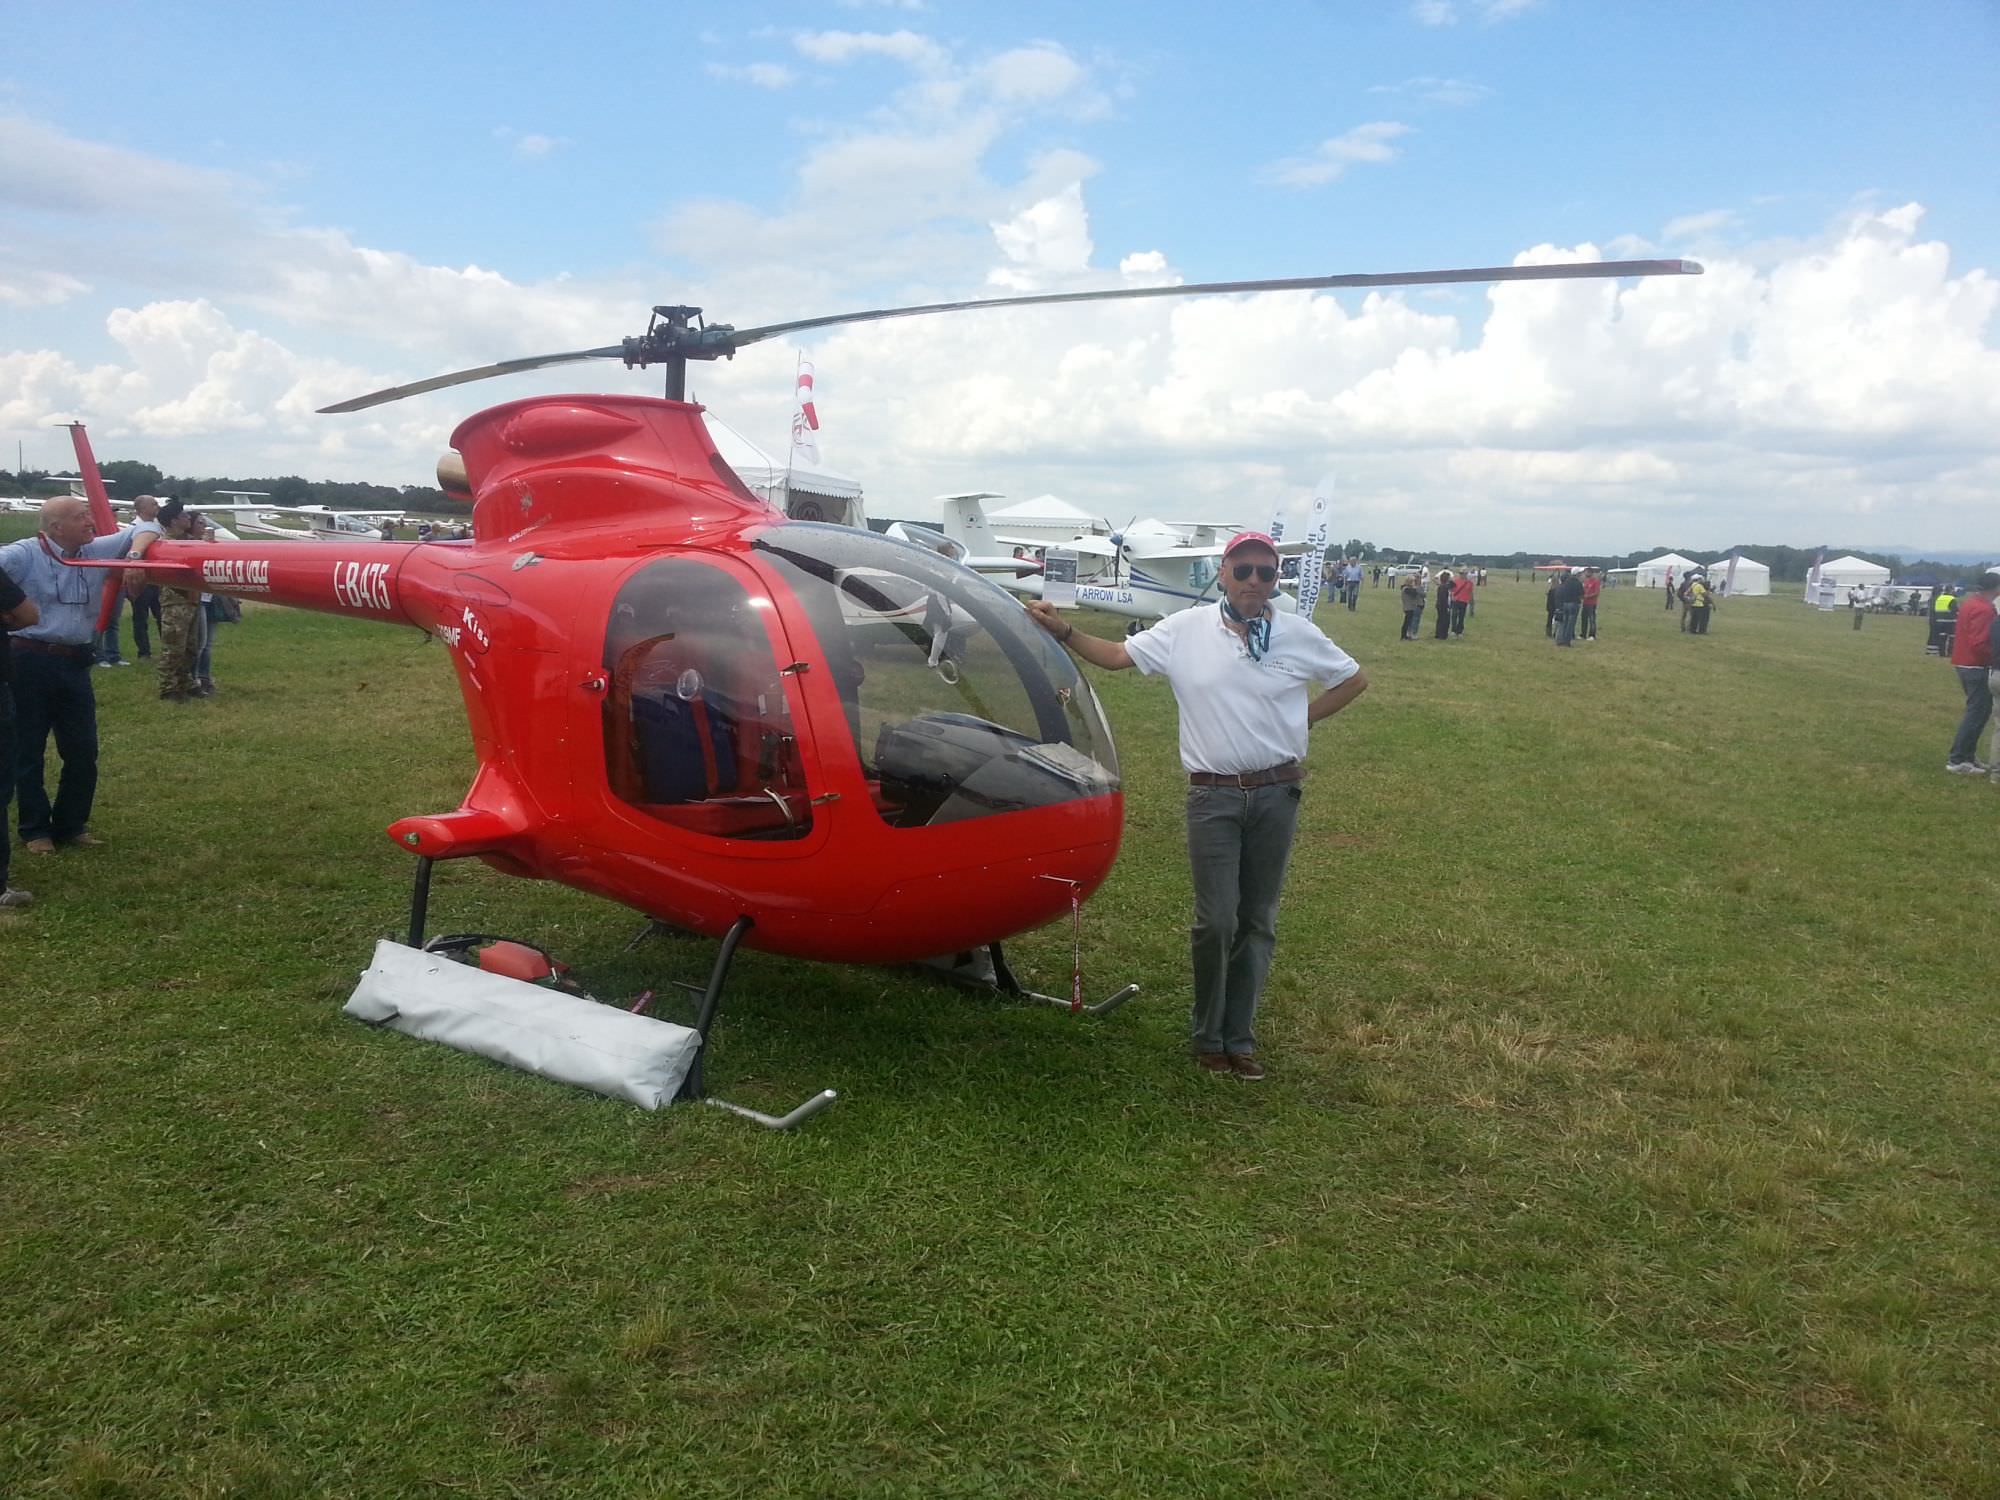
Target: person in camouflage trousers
(179,637)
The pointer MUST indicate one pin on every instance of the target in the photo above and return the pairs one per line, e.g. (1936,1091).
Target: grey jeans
(1978,708)
(1238,845)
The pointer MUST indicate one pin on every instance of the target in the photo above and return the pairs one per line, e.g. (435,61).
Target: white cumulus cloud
(845,46)
(1374,142)
(1849,385)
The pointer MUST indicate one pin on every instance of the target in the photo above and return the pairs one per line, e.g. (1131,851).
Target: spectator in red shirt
(1972,658)
(1461,600)
(1592,587)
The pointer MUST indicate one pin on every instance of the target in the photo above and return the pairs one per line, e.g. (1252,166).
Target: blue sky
(220,217)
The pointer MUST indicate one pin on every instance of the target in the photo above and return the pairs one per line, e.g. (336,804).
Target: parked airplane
(322,523)
(1146,572)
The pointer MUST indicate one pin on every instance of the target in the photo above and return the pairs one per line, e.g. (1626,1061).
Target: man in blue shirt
(51,670)
(17,610)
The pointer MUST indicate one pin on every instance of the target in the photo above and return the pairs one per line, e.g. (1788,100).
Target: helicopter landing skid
(987,969)
(709,999)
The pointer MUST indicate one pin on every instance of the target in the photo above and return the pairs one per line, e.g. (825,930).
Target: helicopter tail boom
(356,579)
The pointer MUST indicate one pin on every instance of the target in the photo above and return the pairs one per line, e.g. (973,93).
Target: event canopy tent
(1752,577)
(1046,510)
(1652,574)
(802,494)
(1846,572)
(1046,518)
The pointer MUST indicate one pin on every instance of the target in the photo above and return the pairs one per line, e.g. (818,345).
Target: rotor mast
(675,336)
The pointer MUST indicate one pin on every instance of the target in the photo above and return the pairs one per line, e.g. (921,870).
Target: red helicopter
(817,741)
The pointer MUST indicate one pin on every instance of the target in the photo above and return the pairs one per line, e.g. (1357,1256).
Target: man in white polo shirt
(1243,676)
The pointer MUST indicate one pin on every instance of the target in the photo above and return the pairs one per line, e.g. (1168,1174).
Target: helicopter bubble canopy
(958,706)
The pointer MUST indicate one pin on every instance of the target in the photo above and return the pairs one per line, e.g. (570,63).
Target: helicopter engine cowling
(575,462)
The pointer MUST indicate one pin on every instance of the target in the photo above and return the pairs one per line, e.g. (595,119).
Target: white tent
(1047,510)
(1845,572)
(1752,577)
(1046,518)
(1652,574)
(802,494)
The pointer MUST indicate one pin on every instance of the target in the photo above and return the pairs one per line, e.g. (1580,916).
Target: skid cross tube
(1005,982)
(693,1086)
(704,1016)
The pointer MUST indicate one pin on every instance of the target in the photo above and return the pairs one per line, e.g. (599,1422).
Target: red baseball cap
(1246,538)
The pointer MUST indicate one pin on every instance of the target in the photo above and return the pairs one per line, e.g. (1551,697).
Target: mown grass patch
(1629,1131)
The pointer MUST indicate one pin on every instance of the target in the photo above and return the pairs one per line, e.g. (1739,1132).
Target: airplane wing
(1001,568)
(1089,546)
(1285,549)
(303,512)
(325,513)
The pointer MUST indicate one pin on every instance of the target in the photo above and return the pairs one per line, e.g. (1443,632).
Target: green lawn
(1630,1129)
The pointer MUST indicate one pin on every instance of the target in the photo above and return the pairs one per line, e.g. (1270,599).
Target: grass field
(1630,1133)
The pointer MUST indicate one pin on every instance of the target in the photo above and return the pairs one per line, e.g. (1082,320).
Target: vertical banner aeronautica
(1318,514)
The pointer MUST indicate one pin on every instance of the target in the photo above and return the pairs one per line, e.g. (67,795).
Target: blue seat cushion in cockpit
(687,747)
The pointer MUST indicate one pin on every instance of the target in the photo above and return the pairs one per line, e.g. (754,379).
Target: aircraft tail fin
(93,482)
(965,520)
(101,519)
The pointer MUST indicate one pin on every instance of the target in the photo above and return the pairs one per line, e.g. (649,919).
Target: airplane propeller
(1121,560)
(676,334)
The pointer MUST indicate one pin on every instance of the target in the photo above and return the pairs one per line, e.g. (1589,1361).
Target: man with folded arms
(51,670)
(1243,677)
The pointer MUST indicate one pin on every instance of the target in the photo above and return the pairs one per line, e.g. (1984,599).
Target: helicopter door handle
(594,683)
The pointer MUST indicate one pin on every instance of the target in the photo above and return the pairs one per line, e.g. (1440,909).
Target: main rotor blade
(721,341)
(460,377)
(1568,270)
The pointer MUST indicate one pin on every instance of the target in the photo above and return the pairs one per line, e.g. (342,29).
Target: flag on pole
(805,420)
(1812,578)
(1729,578)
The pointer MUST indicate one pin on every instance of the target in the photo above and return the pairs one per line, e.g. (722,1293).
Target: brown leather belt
(52,648)
(1289,772)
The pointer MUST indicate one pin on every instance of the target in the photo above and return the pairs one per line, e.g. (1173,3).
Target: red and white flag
(805,420)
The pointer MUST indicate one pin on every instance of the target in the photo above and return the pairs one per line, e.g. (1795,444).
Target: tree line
(125,478)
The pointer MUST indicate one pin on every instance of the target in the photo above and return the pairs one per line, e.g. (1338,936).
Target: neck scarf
(1258,634)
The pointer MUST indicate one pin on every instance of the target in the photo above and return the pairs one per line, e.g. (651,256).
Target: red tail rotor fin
(101,519)
(93,482)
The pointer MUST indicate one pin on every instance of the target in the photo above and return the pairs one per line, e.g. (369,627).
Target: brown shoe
(39,846)
(1246,1067)
(84,841)
(1214,1062)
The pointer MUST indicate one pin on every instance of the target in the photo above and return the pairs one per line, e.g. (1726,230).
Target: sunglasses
(1264,571)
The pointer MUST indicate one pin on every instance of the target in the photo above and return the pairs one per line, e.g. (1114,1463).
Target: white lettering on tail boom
(362,585)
